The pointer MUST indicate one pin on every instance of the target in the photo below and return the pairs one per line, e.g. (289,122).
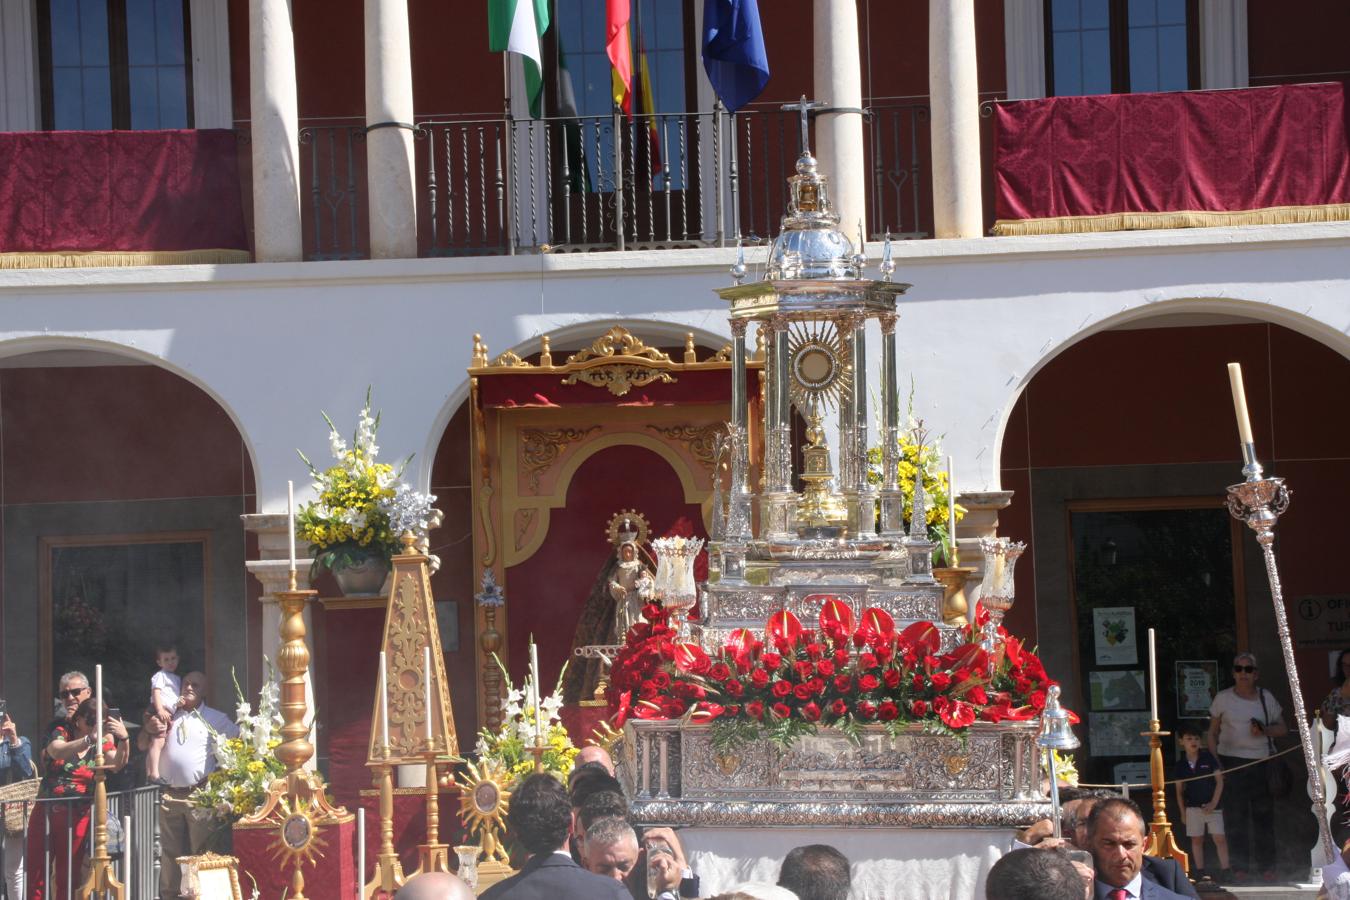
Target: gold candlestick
(1161,840)
(102,881)
(296,802)
(388,876)
(432,855)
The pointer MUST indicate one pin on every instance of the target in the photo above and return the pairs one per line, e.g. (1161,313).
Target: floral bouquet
(364,506)
(914,449)
(245,765)
(510,745)
(842,676)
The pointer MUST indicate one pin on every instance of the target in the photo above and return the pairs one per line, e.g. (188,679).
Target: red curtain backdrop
(78,191)
(1218,151)
(332,874)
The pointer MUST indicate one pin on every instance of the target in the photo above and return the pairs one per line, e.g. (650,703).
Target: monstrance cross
(805,106)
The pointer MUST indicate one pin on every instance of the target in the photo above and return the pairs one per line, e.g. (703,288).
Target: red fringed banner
(1123,161)
(70,198)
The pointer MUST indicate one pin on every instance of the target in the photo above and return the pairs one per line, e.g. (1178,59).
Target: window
(115,64)
(1121,46)
(581,39)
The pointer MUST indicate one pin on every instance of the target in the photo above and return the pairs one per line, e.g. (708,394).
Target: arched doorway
(121,488)
(1118,452)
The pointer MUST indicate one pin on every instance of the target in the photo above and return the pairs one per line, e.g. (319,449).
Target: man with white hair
(610,848)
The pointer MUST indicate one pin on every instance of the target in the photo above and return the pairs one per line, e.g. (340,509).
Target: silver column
(892,501)
(737,530)
(867,515)
(779,503)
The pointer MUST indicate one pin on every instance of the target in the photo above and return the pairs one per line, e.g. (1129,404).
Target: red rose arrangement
(839,675)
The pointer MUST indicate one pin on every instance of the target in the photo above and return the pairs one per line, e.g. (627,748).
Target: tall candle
(951,510)
(98,709)
(1244,421)
(360,849)
(534,694)
(426,684)
(290,520)
(1152,676)
(384,704)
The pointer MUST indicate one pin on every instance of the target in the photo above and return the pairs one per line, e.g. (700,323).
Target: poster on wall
(1197,681)
(1114,633)
(1117,733)
(1117,689)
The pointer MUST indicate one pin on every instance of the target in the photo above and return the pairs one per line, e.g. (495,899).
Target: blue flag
(733,51)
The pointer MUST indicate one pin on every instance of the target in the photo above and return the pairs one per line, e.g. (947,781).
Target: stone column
(272,569)
(838,84)
(389,137)
(955,100)
(275,132)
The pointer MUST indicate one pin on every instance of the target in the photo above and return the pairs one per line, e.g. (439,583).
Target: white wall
(275,343)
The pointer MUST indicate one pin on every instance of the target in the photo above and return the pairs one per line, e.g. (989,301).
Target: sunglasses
(71,692)
(1247,669)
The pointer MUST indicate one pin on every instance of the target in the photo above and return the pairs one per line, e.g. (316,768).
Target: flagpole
(510,155)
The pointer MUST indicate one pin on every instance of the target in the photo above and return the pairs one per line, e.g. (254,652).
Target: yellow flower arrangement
(914,450)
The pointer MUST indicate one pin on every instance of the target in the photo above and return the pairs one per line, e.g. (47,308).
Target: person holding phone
(16,764)
(1243,721)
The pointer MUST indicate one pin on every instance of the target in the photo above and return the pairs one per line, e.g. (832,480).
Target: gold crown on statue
(627,526)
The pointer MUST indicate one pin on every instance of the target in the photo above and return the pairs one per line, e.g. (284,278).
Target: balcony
(498,186)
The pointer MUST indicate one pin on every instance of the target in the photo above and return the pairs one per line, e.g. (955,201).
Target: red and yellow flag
(619,48)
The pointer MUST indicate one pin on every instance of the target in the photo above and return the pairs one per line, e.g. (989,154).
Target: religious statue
(624,585)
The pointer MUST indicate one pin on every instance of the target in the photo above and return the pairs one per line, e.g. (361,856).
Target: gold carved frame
(526,456)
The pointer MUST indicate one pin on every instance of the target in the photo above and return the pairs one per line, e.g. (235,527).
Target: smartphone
(655,880)
(114,712)
(3,707)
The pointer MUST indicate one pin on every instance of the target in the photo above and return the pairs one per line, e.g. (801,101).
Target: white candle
(1244,421)
(290,520)
(1152,676)
(426,682)
(98,709)
(384,704)
(360,849)
(951,509)
(534,694)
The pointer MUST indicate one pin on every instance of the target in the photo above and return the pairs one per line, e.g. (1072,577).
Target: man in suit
(1031,874)
(1166,872)
(1117,834)
(541,818)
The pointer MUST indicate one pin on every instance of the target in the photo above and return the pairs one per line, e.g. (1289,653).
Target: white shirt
(170,688)
(188,755)
(1235,731)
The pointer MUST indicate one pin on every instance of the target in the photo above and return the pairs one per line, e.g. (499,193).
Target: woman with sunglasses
(69,777)
(1243,720)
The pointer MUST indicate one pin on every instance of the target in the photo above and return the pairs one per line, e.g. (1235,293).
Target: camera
(114,712)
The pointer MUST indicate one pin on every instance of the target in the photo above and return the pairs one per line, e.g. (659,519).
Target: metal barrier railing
(49,842)
(498,186)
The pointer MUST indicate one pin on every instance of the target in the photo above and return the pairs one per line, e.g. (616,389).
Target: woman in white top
(1243,720)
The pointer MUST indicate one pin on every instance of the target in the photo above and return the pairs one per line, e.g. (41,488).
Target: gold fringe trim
(87,259)
(1272,215)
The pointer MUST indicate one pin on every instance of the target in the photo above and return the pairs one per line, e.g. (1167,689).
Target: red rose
(672,707)
(841,658)
(977,695)
(816,685)
(825,668)
(733,688)
(959,715)
(781,688)
(648,690)
(1038,699)
(759,678)
(804,668)
(702,665)
(931,662)
(843,684)
(771,661)
(888,711)
(869,682)
(919,708)
(814,650)
(867,661)
(867,710)
(755,709)
(1022,685)
(885,653)
(892,678)
(734,710)
(941,680)
(661,680)
(667,651)
(839,708)
(781,710)
(811,712)
(803,691)
(720,672)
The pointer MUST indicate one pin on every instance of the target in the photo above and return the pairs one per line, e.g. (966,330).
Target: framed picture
(111,599)
(211,877)
(1115,637)
(1117,733)
(1197,681)
(1118,689)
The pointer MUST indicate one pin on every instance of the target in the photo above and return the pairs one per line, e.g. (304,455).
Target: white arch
(651,331)
(1253,311)
(23,346)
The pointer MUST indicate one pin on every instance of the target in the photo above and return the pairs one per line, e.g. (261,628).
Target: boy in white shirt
(166,689)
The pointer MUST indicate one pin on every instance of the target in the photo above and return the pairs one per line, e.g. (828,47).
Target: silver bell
(1056,733)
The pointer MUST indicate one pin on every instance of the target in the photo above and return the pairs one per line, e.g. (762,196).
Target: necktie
(1118,894)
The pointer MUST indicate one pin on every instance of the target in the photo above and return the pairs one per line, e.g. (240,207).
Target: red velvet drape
(1217,151)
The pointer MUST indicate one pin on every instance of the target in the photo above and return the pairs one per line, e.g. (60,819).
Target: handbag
(17,798)
(1279,780)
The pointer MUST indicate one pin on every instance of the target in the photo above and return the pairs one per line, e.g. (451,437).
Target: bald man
(593,753)
(434,886)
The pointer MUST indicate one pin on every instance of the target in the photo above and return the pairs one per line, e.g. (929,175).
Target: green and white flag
(516,26)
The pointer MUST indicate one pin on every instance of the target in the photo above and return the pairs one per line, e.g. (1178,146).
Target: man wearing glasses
(1243,720)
